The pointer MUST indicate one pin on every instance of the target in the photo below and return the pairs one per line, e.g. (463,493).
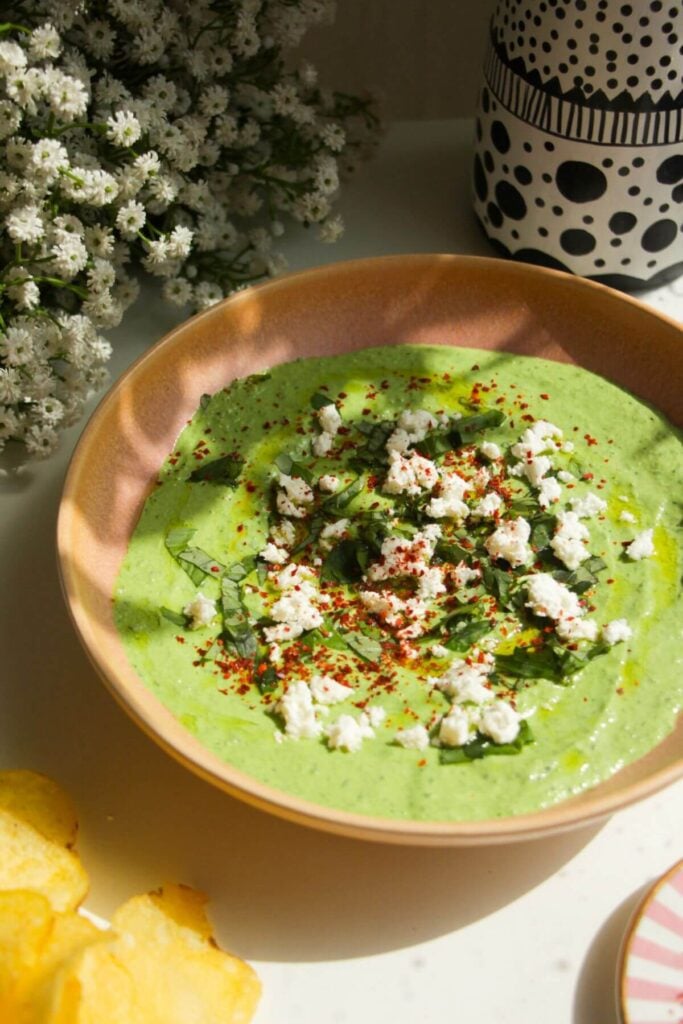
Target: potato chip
(40,802)
(180,975)
(30,861)
(25,923)
(93,987)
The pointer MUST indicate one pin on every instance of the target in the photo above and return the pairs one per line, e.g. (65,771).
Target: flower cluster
(168,137)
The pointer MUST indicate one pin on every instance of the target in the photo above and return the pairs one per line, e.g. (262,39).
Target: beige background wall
(425,56)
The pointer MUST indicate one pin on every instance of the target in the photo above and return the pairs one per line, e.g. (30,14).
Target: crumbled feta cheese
(348,733)
(293,493)
(536,439)
(463,574)
(296,707)
(500,721)
(439,651)
(536,468)
(616,631)
(332,532)
(381,603)
(627,517)
(410,474)
(327,690)
(448,503)
(376,715)
(464,681)
(430,584)
(201,611)
(488,507)
(568,542)
(412,427)
(588,506)
(329,419)
(275,654)
(294,612)
(641,547)
(553,600)
(402,556)
(322,444)
(568,446)
(416,738)
(328,483)
(457,727)
(490,450)
(549,491)
(510,541)
(274,554)
(566,477)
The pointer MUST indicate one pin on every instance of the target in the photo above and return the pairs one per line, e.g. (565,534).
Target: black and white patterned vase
(579,151)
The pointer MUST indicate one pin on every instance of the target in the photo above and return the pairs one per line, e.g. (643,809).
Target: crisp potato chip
(164,941)
(69,934)
(93,987)
(39,802)
(30,861)
(25,923)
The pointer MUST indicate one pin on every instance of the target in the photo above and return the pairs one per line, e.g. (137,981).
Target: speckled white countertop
(338,930)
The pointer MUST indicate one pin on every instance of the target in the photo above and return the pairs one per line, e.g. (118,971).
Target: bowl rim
(184,748)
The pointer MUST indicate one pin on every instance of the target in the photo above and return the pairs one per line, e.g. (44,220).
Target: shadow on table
(595,1001)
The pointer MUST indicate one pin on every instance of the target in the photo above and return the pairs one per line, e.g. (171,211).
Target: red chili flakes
(609,581)
(528,418)
(180,639)
(214,568)
(475,367)
(422,762)
(620,691)
(384,385)
(587,476)
(343,394)
(250,486)
(266,425)
(366,412)
(545,397)
(240,527)
(590,440)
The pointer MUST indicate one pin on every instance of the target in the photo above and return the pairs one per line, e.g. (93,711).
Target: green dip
(584,727)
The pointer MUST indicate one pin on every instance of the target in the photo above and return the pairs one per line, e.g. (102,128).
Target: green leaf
(499,583)
(366,647)
(237,630)
(483,746)
(583,578)
(319,401)
(177,618)
(330,638)
(225,470)
(345,563)
(465,632)
(450,551)
(468,426)
(542,530)
(196,562)
(530,663)
(373,453)
(336,503)
(265,675)
(291,466)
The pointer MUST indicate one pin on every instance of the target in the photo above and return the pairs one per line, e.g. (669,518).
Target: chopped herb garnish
(319,401)
(346,562)
(482,746)
(237,629)
(177,618)
(196,562)
(225,470)
(366,647)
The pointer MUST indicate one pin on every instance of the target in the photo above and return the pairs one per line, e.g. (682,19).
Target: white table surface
(339,930)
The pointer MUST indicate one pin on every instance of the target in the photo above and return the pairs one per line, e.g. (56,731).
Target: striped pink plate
(651,974)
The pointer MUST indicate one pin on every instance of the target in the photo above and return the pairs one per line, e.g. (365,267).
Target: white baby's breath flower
(22,289)
(66,95)
(10,118)
(25,224)
(12,57)
(331,230)
(44,42)
(16,346)
(178,291)
(99,37)
(180,242)
(99,240)
(207,293)
(48,158)
(130,219)
(123,128)
(69,256)
(40,441)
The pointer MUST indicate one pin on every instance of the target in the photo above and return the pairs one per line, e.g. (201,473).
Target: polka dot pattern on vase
(585,179)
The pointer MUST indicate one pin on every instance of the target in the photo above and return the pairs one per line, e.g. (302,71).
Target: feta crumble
(569,541)
(296,707)
(488,507)
(348,733)
(500,722)
(329,419)
(465,681)
(616,632)
(294,612)
(412,427)
(553,600)
(588,506)
(510,541)
(490,450)
(416,738)
(449,503)
(328,483)
(292,495)
(201,611)
(272,553)
(410,474)
(627,517)
(326,690)
(641,547)
(457,727)
(333,532)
